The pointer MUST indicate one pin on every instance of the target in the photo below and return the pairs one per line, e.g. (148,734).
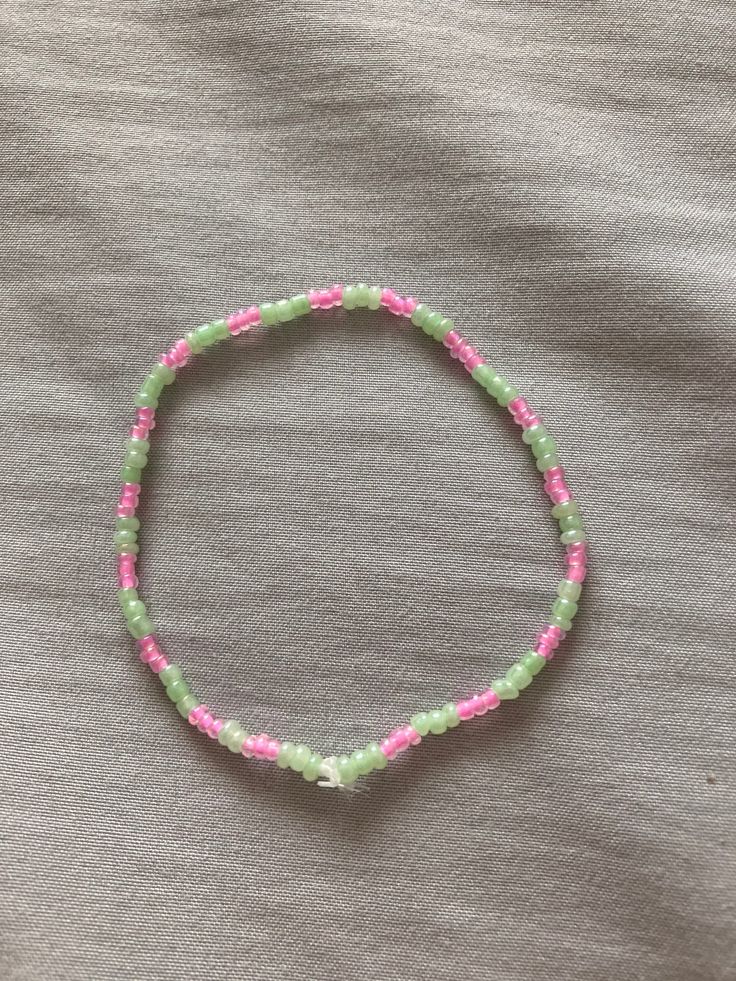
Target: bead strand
(344,770)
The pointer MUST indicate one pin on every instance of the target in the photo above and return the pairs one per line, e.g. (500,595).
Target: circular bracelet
(341,771)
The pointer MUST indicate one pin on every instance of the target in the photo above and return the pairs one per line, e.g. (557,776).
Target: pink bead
(478,705)
(125,511)
(128,580)
(325,299)
(412,735)
(196,714)
(544,650)
(167,359)
(388,749)
(214,729)
(131,488)
(273,749)
(387,297)
(576,573)
(554,473)
(249,746)
(138,432)
(472,363)
(530,420)
(260,745)
(158,664)
(490,698)
(465,709)
(396,305)
(410,305)
(336,295)
(205,722)
(181,352)
(452,338)
(517,405)
(314,296)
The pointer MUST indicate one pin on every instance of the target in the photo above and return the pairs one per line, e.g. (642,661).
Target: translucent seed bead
(284,311)
(236,738)
(547,462)
(567,589)
(362,761)
(312,767)
(361,295)
(533,434)
(565,509)
(300,757)
(445,327)
(431,323)
(177,689)
(504,689)
(482,374)
(420,722)
(452,718)
(374,298)
(420,315)
(574,535)
(127,524)
(562,622)
(437,722)
(518,676)
(171,674)
(572,521)
(186,705)
(269,314)
(226,731)
(347,770)
(543,446)
(300,304)
(348,297)
(533,662)
(377,758)
(283,760)
(564,608)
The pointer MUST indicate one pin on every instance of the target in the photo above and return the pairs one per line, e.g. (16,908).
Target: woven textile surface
(339,527)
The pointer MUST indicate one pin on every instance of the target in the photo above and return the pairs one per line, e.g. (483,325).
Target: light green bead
(496,385)
(565,509)
(546,462)
(177,690)
(437,722)
(286,753)
(312,769)
(533,662)
(141,627)
(186,705)
(451,715)
(541,447)
(236,739)
(219,330)
(348,297)
(361,295)
(285,311)
(533,433)
(139,445)
(420,722)
(123,538)
(133,609)
(170,674)
(432,322)
(507,394)
(137,460)
(571,522)
(362,761)
(377,758)
(146,401)
(127,596)
(300,757)
(152,385)
(127,524)
(565,608)
(374,297)
(194,340)
(300,304)
(443,328)
(163,373)
(347,770)
(567,589)
(574,535)
(482,373)
(562,622)
(204,336)
(269,314)
(129,548)
(518,676)
(504,689)
(130,475)
(420,315)
(227,730)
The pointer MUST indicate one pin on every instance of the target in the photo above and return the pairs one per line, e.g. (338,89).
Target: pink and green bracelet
(341,771)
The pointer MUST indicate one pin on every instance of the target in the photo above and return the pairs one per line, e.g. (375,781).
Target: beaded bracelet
(341,771)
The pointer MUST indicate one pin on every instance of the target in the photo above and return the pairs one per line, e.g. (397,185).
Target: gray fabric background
(339,528)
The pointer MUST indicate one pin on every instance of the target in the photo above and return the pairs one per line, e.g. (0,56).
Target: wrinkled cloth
(339,527)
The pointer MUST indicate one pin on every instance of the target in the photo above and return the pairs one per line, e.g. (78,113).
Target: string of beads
(340,771)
